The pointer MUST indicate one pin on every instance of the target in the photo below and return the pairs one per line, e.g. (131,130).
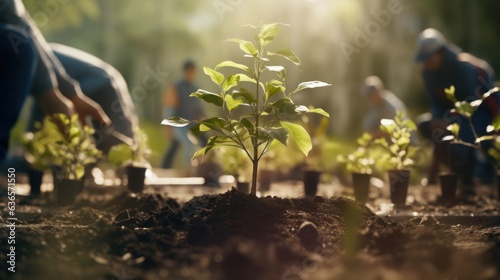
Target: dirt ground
(112,234)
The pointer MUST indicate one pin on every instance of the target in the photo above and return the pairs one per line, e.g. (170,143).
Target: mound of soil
(237,236)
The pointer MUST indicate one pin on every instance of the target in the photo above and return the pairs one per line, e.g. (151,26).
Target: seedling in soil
(61,141)
(467,110)
(360,163)
(399,149)
(256,111)
(399,154)
(134,155)
(234,161)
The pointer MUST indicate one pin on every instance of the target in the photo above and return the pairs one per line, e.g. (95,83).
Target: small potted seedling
(39,155)
(68,148)
(266,110)
(314,162)
(234,162)
(134,157)
(360,163)
(466,110)
(399,153)
(268,170)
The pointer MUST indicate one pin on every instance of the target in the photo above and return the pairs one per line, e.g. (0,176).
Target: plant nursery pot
(361,183)
(399,181)
(311,181)
(266,177)
(136,177)
(243,187)
(448,182)
(66,191)
(35,181)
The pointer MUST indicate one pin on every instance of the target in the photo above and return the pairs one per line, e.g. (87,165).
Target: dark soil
(236,236)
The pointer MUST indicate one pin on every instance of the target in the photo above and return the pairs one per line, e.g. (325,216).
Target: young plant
(399,149)
(234,161)
(61,141)
(266,109)
(318,137)
(360,161)
(134,155)
(467,110)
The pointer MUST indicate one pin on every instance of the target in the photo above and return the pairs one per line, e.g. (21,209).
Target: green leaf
(485,138)
(308,85)
(120,154)
(208,97)
(268,32)
(273,87)
(495,125)
(278,133)
(450,94)
(410,125)
(176,122)
(288,54)
(200,153)
(230,82)
(204,128)
(216,77)
(246,95)
(448,138)
(217,124)
(246,46)
(232,103)
(229,63)
(319,111)
(454,129)
(79,171)
(245,78)
(279,69)
(299,136)
(248,125)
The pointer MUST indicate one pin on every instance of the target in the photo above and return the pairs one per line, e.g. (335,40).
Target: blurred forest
(138,37)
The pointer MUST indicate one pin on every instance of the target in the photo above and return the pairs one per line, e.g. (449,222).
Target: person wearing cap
(443,66)
(177,102)
(382,103)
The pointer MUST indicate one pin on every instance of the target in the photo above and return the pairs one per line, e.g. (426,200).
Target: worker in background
(443,66)
(177,102)
(382,104)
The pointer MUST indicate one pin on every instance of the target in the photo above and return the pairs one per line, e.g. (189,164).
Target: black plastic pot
(311,181)
(448,182)
(266,177)
(66,191)
(243,187)
(35,181)
(399,181)
(361,183)
(136,177)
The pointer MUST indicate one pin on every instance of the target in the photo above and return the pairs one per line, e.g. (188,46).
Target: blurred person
(29,66)
(443,65)
(177,102)
(103,84)
(382,104)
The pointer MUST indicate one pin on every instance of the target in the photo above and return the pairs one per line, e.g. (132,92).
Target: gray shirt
(387,109)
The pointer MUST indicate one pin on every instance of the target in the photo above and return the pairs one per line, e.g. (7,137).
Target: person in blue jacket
(443,65)
(177,102)
(29,66)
